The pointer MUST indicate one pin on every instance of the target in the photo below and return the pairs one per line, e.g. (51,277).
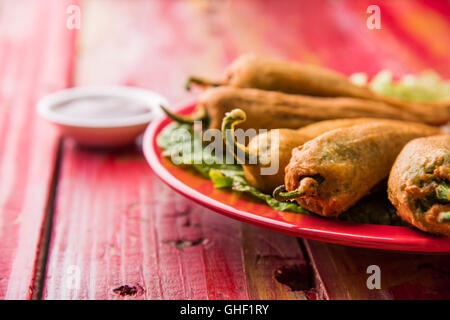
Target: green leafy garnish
(427,86)
(219,179)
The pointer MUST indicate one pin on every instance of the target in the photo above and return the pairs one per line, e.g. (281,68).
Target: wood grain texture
(269,255)
(35,58)
(125,235)
(140,234)
(116,226)
(343,271)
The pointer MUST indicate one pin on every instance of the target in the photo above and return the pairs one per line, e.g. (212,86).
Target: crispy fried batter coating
(251,71)
(347,163)
(273,110)
(277,145)
(418,181)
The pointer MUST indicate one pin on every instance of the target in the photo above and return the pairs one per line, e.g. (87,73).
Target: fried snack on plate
(273,110)
(250,71)
(271,150)
(329,174)
(419,184)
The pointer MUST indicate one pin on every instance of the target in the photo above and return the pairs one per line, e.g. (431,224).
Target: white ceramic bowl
(100,132)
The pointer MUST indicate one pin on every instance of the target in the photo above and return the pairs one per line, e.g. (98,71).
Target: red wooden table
(85,224)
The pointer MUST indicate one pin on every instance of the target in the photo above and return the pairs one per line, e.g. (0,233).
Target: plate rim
(388,238)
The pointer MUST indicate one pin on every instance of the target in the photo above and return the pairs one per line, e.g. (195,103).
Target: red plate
(244,208)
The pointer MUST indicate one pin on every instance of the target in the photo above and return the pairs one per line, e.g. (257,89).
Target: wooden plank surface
(35,58)
(343,272)
(140,234)
(126,235)
(116,225)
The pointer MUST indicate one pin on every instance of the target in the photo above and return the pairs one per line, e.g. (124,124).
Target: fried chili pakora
(272,150)
(273,110)
(329,174)
(250,71)
(419,184)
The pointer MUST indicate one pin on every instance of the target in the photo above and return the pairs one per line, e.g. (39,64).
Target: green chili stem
(202,116)
(229,122)
(281,194)
(308,187)
(444,217)
(201,82)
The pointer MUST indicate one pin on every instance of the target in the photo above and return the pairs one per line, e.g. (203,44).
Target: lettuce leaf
(238,183)
(220,180)
(427,86)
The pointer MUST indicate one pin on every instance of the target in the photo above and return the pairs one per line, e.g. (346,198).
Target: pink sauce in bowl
(102,107)
(101,115)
